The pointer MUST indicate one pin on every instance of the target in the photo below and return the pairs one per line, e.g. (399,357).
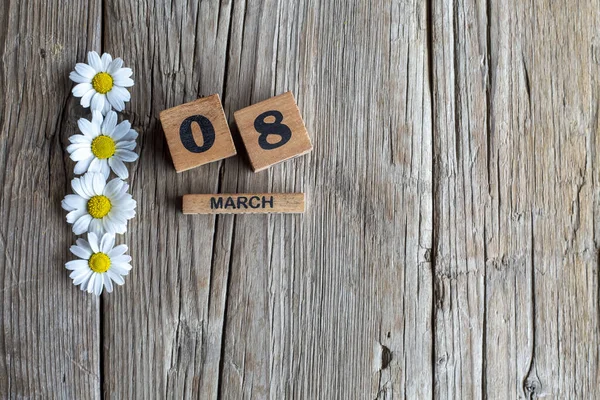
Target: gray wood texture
(449,248)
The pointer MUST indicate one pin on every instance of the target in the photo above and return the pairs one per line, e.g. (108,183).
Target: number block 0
(272,131)
(197,133)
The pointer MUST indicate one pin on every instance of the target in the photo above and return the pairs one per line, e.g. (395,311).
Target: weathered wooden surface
(449,245)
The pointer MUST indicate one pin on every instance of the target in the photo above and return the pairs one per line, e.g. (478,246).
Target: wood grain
(50,336)
(450,249)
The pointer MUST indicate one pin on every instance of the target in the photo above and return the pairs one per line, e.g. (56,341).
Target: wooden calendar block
(197,133)
(273,131)
(244,203)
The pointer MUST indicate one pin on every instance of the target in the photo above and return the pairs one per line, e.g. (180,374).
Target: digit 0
(274,128)
(207,129)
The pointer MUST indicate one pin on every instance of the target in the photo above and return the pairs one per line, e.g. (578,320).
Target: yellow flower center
(103,146)
(99,262)
(99,206)
(102,82)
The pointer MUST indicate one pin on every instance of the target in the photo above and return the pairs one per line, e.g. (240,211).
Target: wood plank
(243,203)
(50,337)
(313,300)
(516,199)
(163,331)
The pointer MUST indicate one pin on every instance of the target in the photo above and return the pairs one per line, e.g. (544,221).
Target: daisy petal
(82,154)
(85,71)
(84,244)
(90,284)
(98,285)
(87,98)
(88,128)
(76,264)
(110,121)
(122,259)
(118,279)
(94,61)
(126,155)
(122,73)
(108,284)
(98,102)
(78,139)
(81,89)
(99,182)
(121,130)
(115,100)
(122,92)
(118,167)
(82,166)
(124,82)
(75,77)
(121,269)
(74,215)
(107,243)
(106,107)
(117,251)
(106,60)
(82,279)
(96,227)
(127,145)
(131,135)
(73,202)
(114,66)
(82,224)
(113,187)
(93,242)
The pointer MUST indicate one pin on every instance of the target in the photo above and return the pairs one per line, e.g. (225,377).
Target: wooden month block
(244,203)
(273,131)
(197,133)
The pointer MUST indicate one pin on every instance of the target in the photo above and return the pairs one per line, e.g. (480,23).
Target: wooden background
(449,249)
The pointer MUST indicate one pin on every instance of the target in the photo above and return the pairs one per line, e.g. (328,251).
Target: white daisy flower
(98,206)
(103,145)
(102,82)
(100,263)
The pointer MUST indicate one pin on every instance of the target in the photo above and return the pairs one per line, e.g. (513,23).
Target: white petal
(97,119)
(126,155)
(81,89)
(93,242)
(122,93)
(99,183)
(121,130)
(114,66)
(106,60)
(110,121)
(83,278)
(124,82)
(118,279)
(118,167)
(77,78)
(124,259)
(98,102)
(75,146)
(74,215)
(82,154)
(115,100)
(87,98)
(126,145)
(122,73)
(117,251)
(82,224)
(97,227)
(85,71)
(84,245)
(113,187)
(73,202)
(131,135)
(99,285)
(76,264)
(90,284)
(79,139)
(106,107)
(88,128)
(94,61)
(121,269)
(82,166)
(86,185)
(108,284)
(107,243)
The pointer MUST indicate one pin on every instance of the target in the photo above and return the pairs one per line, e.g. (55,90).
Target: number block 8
(197,133)
(272,131)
